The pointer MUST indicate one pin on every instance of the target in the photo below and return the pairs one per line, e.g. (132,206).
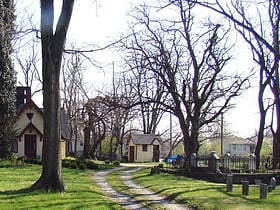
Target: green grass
(81,192)
(205,195)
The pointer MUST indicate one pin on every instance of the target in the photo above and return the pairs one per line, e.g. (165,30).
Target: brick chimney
(23,95)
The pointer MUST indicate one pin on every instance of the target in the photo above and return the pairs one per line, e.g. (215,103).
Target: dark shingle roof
(144,138)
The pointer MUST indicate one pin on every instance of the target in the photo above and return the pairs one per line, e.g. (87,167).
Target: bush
(31,161)
(21,158)
(66,164)
(116,162)
(74,165)
(107,161)
(82,166)
(91,165)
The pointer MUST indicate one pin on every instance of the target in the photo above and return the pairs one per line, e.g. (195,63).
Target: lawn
(205,195)
(81,192)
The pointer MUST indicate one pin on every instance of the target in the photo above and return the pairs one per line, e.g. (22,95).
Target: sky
(100,21)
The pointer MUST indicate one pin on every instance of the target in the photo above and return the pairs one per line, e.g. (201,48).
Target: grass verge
(81,193)
(205,195)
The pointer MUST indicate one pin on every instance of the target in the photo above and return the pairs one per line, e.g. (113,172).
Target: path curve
(127,202)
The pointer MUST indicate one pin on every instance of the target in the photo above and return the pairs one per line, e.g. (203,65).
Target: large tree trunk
(52,49)
(7,81)
(276,138)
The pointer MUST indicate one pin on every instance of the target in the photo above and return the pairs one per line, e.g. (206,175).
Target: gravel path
(126,201)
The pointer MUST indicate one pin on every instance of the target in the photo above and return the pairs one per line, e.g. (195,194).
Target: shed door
(30,146)
(131,153)
(156,153)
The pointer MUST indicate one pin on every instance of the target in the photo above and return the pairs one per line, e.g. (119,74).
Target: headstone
(273,183)
(229,182)
(252,163)
(193,160)
(269,188)
(245,188)
(227,163)
(213,163)
(263,191)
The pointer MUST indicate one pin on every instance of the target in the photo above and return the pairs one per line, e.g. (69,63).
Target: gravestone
(252,163)
(245,188)
(273,183)
(193,160)
(227,163)
(263,191)
(213,163)
(269,188)
(229,182)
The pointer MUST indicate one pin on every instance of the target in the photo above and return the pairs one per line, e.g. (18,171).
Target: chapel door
(131,154)
(30,146)
(156,153)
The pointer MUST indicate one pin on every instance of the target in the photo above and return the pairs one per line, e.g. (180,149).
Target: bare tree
(259,26)
(26,55)
(52,42)
(190,64)
(148,92)
(94,113)
(29,69)
(73,91)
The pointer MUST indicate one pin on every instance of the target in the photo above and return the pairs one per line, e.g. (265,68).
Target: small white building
(144,147)
(29,127)
(238,146)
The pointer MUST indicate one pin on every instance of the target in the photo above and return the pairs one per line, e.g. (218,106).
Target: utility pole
(222,133)
(170,115)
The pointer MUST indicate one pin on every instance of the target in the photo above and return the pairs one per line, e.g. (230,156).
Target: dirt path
(126,201)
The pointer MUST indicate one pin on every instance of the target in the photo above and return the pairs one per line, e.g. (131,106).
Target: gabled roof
(29,104)
(30,126)
(144,138)
(238,140)
(64,127)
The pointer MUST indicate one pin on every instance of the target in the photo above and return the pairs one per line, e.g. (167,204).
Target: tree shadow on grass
(243,197)
(15,193)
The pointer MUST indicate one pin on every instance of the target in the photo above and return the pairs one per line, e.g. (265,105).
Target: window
(233,147)
(144,147)
(15,146)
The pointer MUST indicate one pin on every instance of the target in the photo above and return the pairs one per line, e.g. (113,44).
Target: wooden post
(245,188)
(229,182)
(263,191)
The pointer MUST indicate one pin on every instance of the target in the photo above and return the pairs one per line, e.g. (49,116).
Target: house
(29,127)
(238,146)
(144,147)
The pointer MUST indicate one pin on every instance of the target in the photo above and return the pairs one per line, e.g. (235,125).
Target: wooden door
(30,146)
(156,153)
(131,153)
